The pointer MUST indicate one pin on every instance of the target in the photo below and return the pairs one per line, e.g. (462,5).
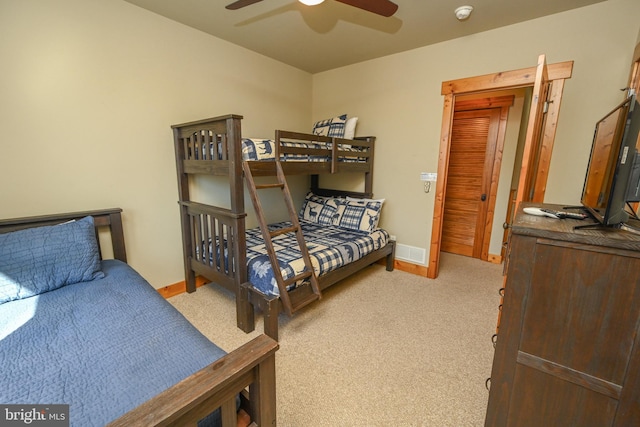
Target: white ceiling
(333,34)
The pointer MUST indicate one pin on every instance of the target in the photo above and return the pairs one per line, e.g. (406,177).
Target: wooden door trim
(484,103)
(491,82)
(495,177)
(523,77)
(441,183)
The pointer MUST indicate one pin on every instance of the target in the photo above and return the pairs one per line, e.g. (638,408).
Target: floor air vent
(410,253)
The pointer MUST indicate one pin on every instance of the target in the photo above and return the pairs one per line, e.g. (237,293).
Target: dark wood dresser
(567,351)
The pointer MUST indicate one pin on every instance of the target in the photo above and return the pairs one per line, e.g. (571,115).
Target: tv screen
(613,164)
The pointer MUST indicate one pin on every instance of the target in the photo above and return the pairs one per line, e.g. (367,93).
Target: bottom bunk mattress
(103,347)
(330,248)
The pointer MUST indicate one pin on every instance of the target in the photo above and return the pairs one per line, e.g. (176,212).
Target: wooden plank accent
(505,80)
(216,124)
(180,287)
(210,167)
(567,374)
(568,404)
(628,408)
(500,396)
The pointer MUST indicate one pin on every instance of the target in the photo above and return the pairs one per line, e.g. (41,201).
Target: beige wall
(89,90)
(398,99)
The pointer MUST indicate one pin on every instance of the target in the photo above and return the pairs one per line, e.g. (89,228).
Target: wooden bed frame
(214,147)
(248,370)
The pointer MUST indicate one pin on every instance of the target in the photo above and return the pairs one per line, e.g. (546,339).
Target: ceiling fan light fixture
(310,2)
(463,12)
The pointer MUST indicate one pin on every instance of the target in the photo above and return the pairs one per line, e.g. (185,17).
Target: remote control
(554,214)
(540,212)
(565,214)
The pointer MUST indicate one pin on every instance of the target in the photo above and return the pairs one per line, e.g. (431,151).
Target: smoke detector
(463,12)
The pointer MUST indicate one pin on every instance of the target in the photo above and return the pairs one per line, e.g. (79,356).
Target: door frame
(525,77)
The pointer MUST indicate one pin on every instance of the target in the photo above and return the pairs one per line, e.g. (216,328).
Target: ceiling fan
(380,7)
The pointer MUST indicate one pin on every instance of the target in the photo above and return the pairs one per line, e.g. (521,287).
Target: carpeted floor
(380,349)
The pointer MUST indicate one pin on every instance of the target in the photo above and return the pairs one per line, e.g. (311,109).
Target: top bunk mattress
(254,149)
(103,347)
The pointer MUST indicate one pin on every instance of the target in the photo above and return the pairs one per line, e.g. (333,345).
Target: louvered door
(473,145)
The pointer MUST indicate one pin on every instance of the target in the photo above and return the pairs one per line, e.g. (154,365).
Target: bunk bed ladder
(308,274)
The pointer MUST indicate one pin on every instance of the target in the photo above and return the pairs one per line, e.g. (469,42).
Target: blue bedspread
(103,347)
(329,249)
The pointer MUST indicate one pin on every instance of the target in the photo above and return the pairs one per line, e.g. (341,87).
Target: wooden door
(634,85)
(474,138)
(533,141)
(526,77)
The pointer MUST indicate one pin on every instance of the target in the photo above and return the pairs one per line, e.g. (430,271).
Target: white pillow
(350,128)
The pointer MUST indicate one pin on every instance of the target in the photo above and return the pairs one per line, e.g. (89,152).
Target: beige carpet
(380,349)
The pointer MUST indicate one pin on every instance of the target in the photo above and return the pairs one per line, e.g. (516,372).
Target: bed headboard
(103,218)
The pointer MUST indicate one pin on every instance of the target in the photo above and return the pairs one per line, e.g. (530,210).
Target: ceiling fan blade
(240,4)
(380,7)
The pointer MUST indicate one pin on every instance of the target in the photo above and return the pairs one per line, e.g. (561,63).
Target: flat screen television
(612,181)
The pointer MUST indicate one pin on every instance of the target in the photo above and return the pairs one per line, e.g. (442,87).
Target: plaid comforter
(329,248)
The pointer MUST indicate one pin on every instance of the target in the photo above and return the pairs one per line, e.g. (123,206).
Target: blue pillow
(42,259)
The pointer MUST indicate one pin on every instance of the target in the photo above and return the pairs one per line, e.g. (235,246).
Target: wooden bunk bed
(214,147)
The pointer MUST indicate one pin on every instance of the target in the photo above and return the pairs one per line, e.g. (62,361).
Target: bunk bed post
(315,183)
(244,310)
(183,195)
(270,311)
(368,176)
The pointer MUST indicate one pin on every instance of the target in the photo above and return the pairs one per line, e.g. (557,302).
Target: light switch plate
(428,176)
